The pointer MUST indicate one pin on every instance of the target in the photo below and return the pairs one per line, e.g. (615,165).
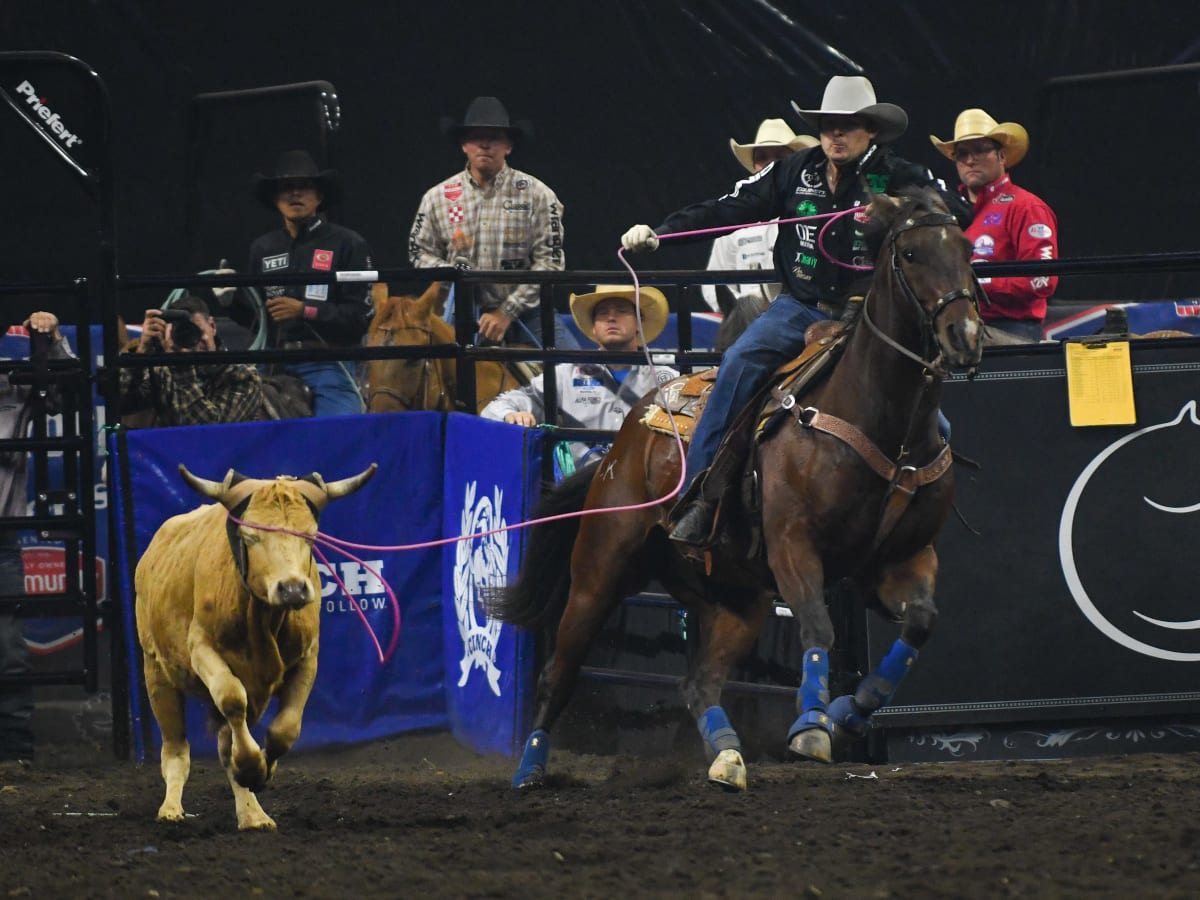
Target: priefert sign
(51,119)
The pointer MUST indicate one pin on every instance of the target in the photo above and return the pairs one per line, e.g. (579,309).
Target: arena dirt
(422,817)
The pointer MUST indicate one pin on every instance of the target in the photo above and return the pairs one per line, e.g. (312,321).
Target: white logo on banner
(1066,552)
(479,564)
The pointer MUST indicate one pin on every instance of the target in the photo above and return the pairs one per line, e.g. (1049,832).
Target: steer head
(274,565)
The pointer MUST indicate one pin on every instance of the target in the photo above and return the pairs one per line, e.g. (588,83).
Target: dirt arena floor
(422,817)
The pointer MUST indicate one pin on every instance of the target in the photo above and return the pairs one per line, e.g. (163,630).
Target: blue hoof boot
(847,720)
(809,737)
(532,771)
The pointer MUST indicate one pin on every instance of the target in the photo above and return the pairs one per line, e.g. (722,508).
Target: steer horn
(230,492)
(320,493)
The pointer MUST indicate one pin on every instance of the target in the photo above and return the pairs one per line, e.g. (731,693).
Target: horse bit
(928,319)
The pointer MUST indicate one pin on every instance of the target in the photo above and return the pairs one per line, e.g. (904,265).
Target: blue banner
(492,473)
(356,698)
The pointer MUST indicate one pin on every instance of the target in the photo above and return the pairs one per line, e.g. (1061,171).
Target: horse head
(924,258)
(406,384)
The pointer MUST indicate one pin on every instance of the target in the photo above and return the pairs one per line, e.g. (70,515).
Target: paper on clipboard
(1100,383)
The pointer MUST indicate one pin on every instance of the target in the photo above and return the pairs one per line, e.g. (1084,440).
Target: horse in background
(847,478)
(411,384)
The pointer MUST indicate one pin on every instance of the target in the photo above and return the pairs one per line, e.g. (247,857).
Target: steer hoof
(170,812)
(261,822)
(728,771)
(253,776)
(813,744)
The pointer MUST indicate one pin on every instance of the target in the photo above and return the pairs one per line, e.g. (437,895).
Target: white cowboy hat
(654,308)
(771,133)
(853,95)
(974,124)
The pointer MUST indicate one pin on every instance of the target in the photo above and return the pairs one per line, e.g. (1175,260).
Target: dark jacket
(342,311)
(796,186)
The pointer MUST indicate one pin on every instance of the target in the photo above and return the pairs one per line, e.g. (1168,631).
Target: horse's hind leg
(726,637)
(904,591)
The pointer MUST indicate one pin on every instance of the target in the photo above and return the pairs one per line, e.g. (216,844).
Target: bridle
(931,359)
(419,398)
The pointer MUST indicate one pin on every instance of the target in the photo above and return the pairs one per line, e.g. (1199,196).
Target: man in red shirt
(1010,223)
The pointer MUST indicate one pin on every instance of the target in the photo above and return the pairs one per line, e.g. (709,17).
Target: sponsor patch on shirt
(455,214)
(271,263)
(585,382)
(1005,198)
(318,292)
(985,245)
(452,191)
(322,260)
(1040,230)
(993,218)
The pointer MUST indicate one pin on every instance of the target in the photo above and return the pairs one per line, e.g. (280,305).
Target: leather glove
(640,239)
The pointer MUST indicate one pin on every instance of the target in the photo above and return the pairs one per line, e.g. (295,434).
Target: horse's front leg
(801,579)
(586,613)
(725,638)
(905,590)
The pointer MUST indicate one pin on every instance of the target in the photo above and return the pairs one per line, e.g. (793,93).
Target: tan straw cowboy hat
(974,124)
(654,308)
(771,133)
(854,95)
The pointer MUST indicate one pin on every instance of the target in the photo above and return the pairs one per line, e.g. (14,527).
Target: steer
(230,614)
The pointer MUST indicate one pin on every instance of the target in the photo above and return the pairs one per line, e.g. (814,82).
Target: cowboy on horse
(851,163)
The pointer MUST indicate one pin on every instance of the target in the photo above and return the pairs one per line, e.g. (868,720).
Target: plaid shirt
(514,222)
(194,395)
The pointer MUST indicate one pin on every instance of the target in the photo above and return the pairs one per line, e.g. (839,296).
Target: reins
(927,318)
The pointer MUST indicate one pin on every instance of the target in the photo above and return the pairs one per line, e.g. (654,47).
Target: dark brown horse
(410,384)
(855,482)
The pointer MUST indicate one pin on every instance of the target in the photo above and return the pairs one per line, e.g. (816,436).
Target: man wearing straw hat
(1010,222)
(751,248)
(595,395)
(851,162)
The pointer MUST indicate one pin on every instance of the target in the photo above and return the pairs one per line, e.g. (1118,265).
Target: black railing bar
(260,93)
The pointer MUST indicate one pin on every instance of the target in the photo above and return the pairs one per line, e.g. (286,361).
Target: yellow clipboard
(1099,382)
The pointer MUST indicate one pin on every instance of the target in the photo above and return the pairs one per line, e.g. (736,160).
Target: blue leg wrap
(844,714)
(718,734)
(877,688)
(814,684)
(533,760)
(813,696)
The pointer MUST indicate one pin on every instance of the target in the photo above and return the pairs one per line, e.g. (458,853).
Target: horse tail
(539,595)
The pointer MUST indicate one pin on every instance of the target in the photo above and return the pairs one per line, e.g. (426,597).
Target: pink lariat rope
(342,546)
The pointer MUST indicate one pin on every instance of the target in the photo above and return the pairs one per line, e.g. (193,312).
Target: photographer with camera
(187,395)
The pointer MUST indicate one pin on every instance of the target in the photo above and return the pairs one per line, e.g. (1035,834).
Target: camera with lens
(185,334)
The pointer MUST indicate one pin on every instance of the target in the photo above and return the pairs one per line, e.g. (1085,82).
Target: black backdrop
(633,102)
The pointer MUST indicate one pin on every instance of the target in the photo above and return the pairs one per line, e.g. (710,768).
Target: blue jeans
(335,391)
(770,341)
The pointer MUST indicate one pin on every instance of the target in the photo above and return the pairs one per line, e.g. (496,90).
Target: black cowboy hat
(487,112)
(297,164)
